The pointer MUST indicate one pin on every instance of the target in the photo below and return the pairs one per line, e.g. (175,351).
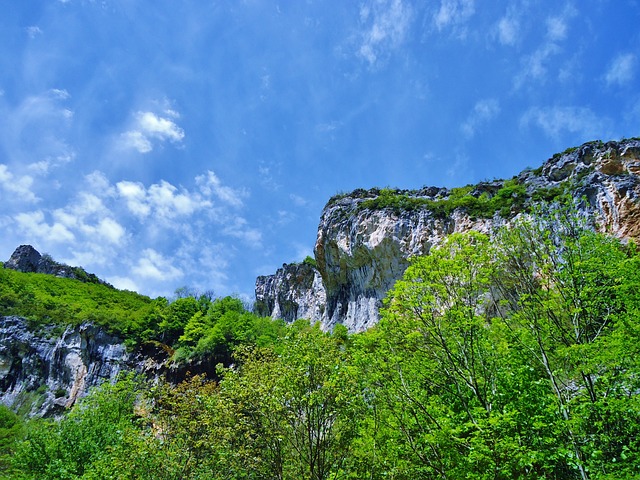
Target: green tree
(11,431)
(304,406)
(67,449)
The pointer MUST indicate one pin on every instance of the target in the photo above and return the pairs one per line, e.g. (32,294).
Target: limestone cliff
(365,238)
(294,292)
(44,372)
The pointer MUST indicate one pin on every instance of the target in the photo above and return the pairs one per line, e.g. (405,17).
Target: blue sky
(173,143)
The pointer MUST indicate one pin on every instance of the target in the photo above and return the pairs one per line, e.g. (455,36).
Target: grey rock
(27,259)
(44,373)
(361,253)
(295,291)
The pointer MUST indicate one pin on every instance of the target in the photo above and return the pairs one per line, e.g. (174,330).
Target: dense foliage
(45,299)
(507,200)
(515,356)
(196,325)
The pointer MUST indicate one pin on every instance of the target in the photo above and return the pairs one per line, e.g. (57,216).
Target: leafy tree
(68,448)
(11,431)
(304,408)
(567,289)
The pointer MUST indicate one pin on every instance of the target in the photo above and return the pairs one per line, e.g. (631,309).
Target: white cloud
(168,202)
(149,127)
(508,28)
(89,218)
(137,141)
(124,283)
(621,70)
(98,182)
(143,236)
(158,127)
(556,28)
(483,111)
(453,13)
(34,225)
(43,167)
(209,184)
(19,188)
(105,230)
(33,31)
(162,199)
(135,195)
(534,66)
(387,23)
(556,120)
(154,266)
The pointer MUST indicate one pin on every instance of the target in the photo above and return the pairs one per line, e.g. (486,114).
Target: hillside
(509,351)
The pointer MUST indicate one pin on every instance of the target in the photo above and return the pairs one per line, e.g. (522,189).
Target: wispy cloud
(535,66)
(17,188)
(147,235)
(35,226)
(385,24)
(33,31)
(621,70)
(150,129)
(34,131)
(210,184)
(453,13)
(153,265)
(508,28)
(557,120)
(483,111)
(163,200)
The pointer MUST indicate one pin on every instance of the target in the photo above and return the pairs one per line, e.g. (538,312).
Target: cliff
(295,291)
(44,372)
(366,238)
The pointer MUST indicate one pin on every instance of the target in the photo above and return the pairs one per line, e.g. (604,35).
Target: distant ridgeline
(366,237)
(27,259)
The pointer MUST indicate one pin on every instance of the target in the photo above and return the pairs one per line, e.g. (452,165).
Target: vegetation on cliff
(514,356)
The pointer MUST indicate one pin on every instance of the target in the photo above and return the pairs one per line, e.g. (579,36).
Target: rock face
(43,373)
(362,251)
(27,259)
(295,291)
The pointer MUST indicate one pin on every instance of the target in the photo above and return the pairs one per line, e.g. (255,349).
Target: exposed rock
(27,259)
(43,373)
(362,252)
(295,291)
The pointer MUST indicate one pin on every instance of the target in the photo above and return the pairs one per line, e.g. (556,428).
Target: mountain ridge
(366,238)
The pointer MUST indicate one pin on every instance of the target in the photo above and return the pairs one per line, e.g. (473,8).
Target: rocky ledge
(365,238)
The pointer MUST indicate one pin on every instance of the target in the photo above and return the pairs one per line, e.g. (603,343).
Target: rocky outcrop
(295,291)
(43,373)
(361,253)
(363,247)
(27,259)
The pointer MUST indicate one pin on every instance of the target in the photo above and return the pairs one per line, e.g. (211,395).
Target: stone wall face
(360,253)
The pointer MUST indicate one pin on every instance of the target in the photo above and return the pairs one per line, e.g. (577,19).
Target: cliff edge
(365,238)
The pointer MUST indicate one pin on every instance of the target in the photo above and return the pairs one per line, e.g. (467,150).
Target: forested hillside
(510,355)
